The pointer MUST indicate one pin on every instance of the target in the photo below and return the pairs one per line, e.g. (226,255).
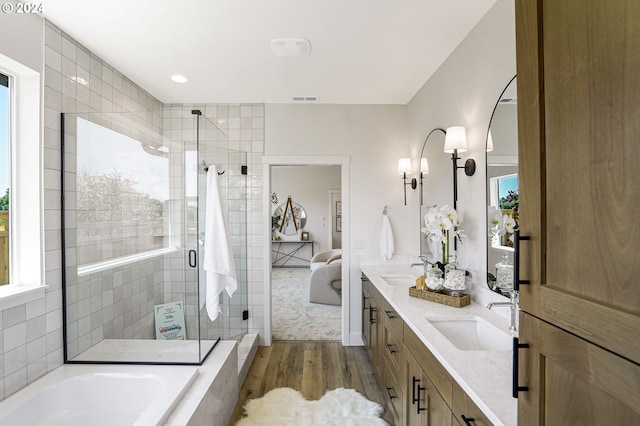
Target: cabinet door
(466,411)
(424,406)
(414,395)
(578,109)
(572,381)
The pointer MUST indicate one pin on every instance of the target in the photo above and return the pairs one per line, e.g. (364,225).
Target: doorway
(298,242)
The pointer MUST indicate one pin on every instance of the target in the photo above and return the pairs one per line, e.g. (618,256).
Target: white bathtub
(99,395)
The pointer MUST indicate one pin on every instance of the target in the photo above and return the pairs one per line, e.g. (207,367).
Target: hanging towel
(220,270)
(386,238)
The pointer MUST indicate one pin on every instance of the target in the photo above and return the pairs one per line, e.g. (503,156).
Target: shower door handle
(192,258)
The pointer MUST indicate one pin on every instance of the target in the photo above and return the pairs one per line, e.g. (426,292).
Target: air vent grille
(305,99)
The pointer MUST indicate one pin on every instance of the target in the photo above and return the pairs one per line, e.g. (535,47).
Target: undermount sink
(472,334)
(398,279)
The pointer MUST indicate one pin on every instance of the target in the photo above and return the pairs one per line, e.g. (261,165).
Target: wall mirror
(502,189)
(433,162)
(290,218)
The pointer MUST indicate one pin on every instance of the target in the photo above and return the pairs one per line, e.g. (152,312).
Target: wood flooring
(311,368)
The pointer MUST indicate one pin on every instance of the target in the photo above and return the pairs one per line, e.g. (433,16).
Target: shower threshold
(146,350)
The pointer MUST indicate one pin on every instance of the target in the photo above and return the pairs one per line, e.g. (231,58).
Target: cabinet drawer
(464,406)
(393,394)
(429,364)
(393,318)
(393,348)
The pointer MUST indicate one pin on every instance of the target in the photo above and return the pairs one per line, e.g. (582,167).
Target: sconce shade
(424,166)
(456,139)
(404,166)
(489,142)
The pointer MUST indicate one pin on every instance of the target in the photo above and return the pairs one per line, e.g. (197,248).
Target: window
(5,176)
(21,170)
(121,189)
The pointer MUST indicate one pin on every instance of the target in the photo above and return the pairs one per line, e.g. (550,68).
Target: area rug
(286,406)
(293,317)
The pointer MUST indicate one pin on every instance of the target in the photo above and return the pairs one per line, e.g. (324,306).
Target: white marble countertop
(484,375)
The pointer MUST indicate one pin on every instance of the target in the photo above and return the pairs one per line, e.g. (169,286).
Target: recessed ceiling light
(179,78)
(290,47)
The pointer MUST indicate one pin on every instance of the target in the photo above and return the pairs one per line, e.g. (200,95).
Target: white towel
(386,238)
(219,266)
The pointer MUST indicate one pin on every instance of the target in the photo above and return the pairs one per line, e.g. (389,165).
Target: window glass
(122,190)
(5,174)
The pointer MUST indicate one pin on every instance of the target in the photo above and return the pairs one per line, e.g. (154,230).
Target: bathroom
(462,91)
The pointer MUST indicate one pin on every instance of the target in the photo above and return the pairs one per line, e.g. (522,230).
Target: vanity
(435,364)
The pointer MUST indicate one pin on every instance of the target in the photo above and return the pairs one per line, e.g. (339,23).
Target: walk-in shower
(134,191)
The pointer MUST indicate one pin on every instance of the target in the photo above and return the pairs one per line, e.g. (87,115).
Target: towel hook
(205,167)
(384,211)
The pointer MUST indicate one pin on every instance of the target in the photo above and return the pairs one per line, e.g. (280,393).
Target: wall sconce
(424,170)
(404,169)
(456,141)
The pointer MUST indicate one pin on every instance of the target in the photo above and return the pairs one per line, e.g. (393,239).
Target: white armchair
(325,284)
(325,258)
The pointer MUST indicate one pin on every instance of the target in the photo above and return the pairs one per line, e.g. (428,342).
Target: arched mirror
(433,191)
(502,189)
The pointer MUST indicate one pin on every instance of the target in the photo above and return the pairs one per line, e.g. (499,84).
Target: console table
(290,254)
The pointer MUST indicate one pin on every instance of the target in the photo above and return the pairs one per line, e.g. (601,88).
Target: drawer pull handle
(372,310)
(364,305)
(391,396)
(418,407)
(515,387)
(390,314)
(390,348)
(414,399)
(467,420)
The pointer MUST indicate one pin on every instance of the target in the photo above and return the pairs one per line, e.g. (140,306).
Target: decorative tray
(443,297)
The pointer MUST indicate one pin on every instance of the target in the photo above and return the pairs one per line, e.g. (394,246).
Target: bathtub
(96,395)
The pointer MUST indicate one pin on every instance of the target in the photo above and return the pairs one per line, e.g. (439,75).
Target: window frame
(27,277)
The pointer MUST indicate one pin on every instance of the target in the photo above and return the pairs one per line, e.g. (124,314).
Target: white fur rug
(286,406)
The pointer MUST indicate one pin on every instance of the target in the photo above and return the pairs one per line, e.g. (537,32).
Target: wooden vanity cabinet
(372,324)
(578,109)
(393,352)
(465,410)
(424,406)
(578,127)
(418,390)
(576,381)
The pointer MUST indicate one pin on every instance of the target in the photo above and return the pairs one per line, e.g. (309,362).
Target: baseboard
(355,339)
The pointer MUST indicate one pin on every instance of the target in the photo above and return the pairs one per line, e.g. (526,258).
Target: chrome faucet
(513,305)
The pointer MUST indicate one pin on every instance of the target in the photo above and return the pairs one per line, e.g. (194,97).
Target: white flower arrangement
(440,224)
(500,224)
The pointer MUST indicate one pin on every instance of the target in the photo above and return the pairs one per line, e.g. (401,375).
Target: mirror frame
(421,177)
(486,213)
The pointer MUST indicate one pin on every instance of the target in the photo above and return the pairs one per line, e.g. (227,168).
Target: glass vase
(454,278)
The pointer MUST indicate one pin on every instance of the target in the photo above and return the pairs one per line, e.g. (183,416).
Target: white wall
(374,137)
(309,186)
(464,91)
(22,38)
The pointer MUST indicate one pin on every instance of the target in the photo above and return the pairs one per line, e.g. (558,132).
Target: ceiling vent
(282,47)
(305,98)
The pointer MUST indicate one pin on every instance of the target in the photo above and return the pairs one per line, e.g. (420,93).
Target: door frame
(343,162)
